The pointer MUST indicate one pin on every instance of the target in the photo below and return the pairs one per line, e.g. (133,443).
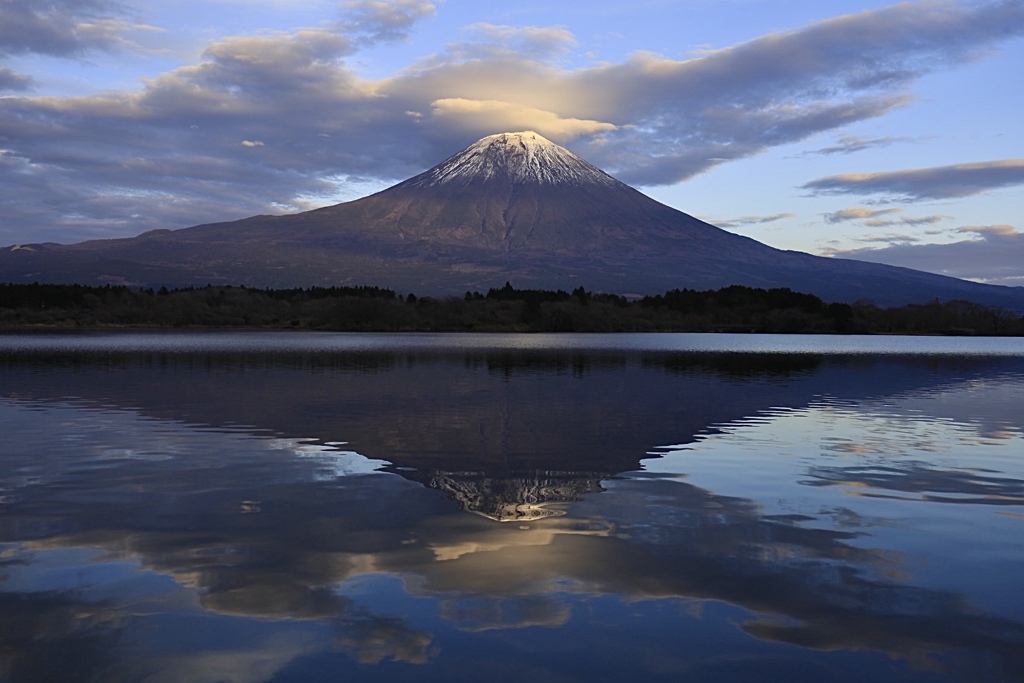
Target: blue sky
(887,132)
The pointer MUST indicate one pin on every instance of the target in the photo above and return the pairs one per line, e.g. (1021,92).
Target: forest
(504,309)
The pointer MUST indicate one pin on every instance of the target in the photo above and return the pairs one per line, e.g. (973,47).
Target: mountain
(510,207)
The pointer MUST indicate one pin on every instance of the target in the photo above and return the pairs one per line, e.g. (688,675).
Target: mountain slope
(512,206)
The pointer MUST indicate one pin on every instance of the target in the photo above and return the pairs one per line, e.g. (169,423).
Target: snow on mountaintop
(517,158)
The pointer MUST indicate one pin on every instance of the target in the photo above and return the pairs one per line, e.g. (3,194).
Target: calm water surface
(250,507)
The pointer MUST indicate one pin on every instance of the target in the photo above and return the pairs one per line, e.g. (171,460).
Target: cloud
(486,116)
(11,81)
(849,144)
(939,182)
(373,21)
(100,164)
(857,214)
(253,61)
(995,254)
(495,41)
(62,28)
(786,86)
(906,220)
(873,217)
(752,220)
(891,238)
(992,232)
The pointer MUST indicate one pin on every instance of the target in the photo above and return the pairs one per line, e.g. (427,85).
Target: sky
(857,129)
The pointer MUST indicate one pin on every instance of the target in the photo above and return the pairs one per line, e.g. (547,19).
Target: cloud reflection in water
(263,552)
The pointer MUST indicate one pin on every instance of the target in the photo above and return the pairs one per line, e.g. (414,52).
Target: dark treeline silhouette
(731,309)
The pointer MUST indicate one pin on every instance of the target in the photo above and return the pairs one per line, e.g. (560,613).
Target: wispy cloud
(848,144)
(938,182)
(891,239)
(751,220)
(857,213)
(879,217)
(905,220)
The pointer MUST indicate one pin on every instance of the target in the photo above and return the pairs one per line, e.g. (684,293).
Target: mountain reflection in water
(285,515)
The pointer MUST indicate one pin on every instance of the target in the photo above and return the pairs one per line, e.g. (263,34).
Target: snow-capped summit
(516,158)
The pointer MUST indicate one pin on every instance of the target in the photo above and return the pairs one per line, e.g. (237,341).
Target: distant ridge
(510,207)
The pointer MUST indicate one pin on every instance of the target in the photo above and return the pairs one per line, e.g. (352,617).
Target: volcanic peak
(517,158)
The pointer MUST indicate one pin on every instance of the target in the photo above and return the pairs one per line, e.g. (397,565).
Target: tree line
(730,309)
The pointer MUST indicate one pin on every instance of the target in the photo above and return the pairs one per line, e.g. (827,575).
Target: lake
(273,506)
